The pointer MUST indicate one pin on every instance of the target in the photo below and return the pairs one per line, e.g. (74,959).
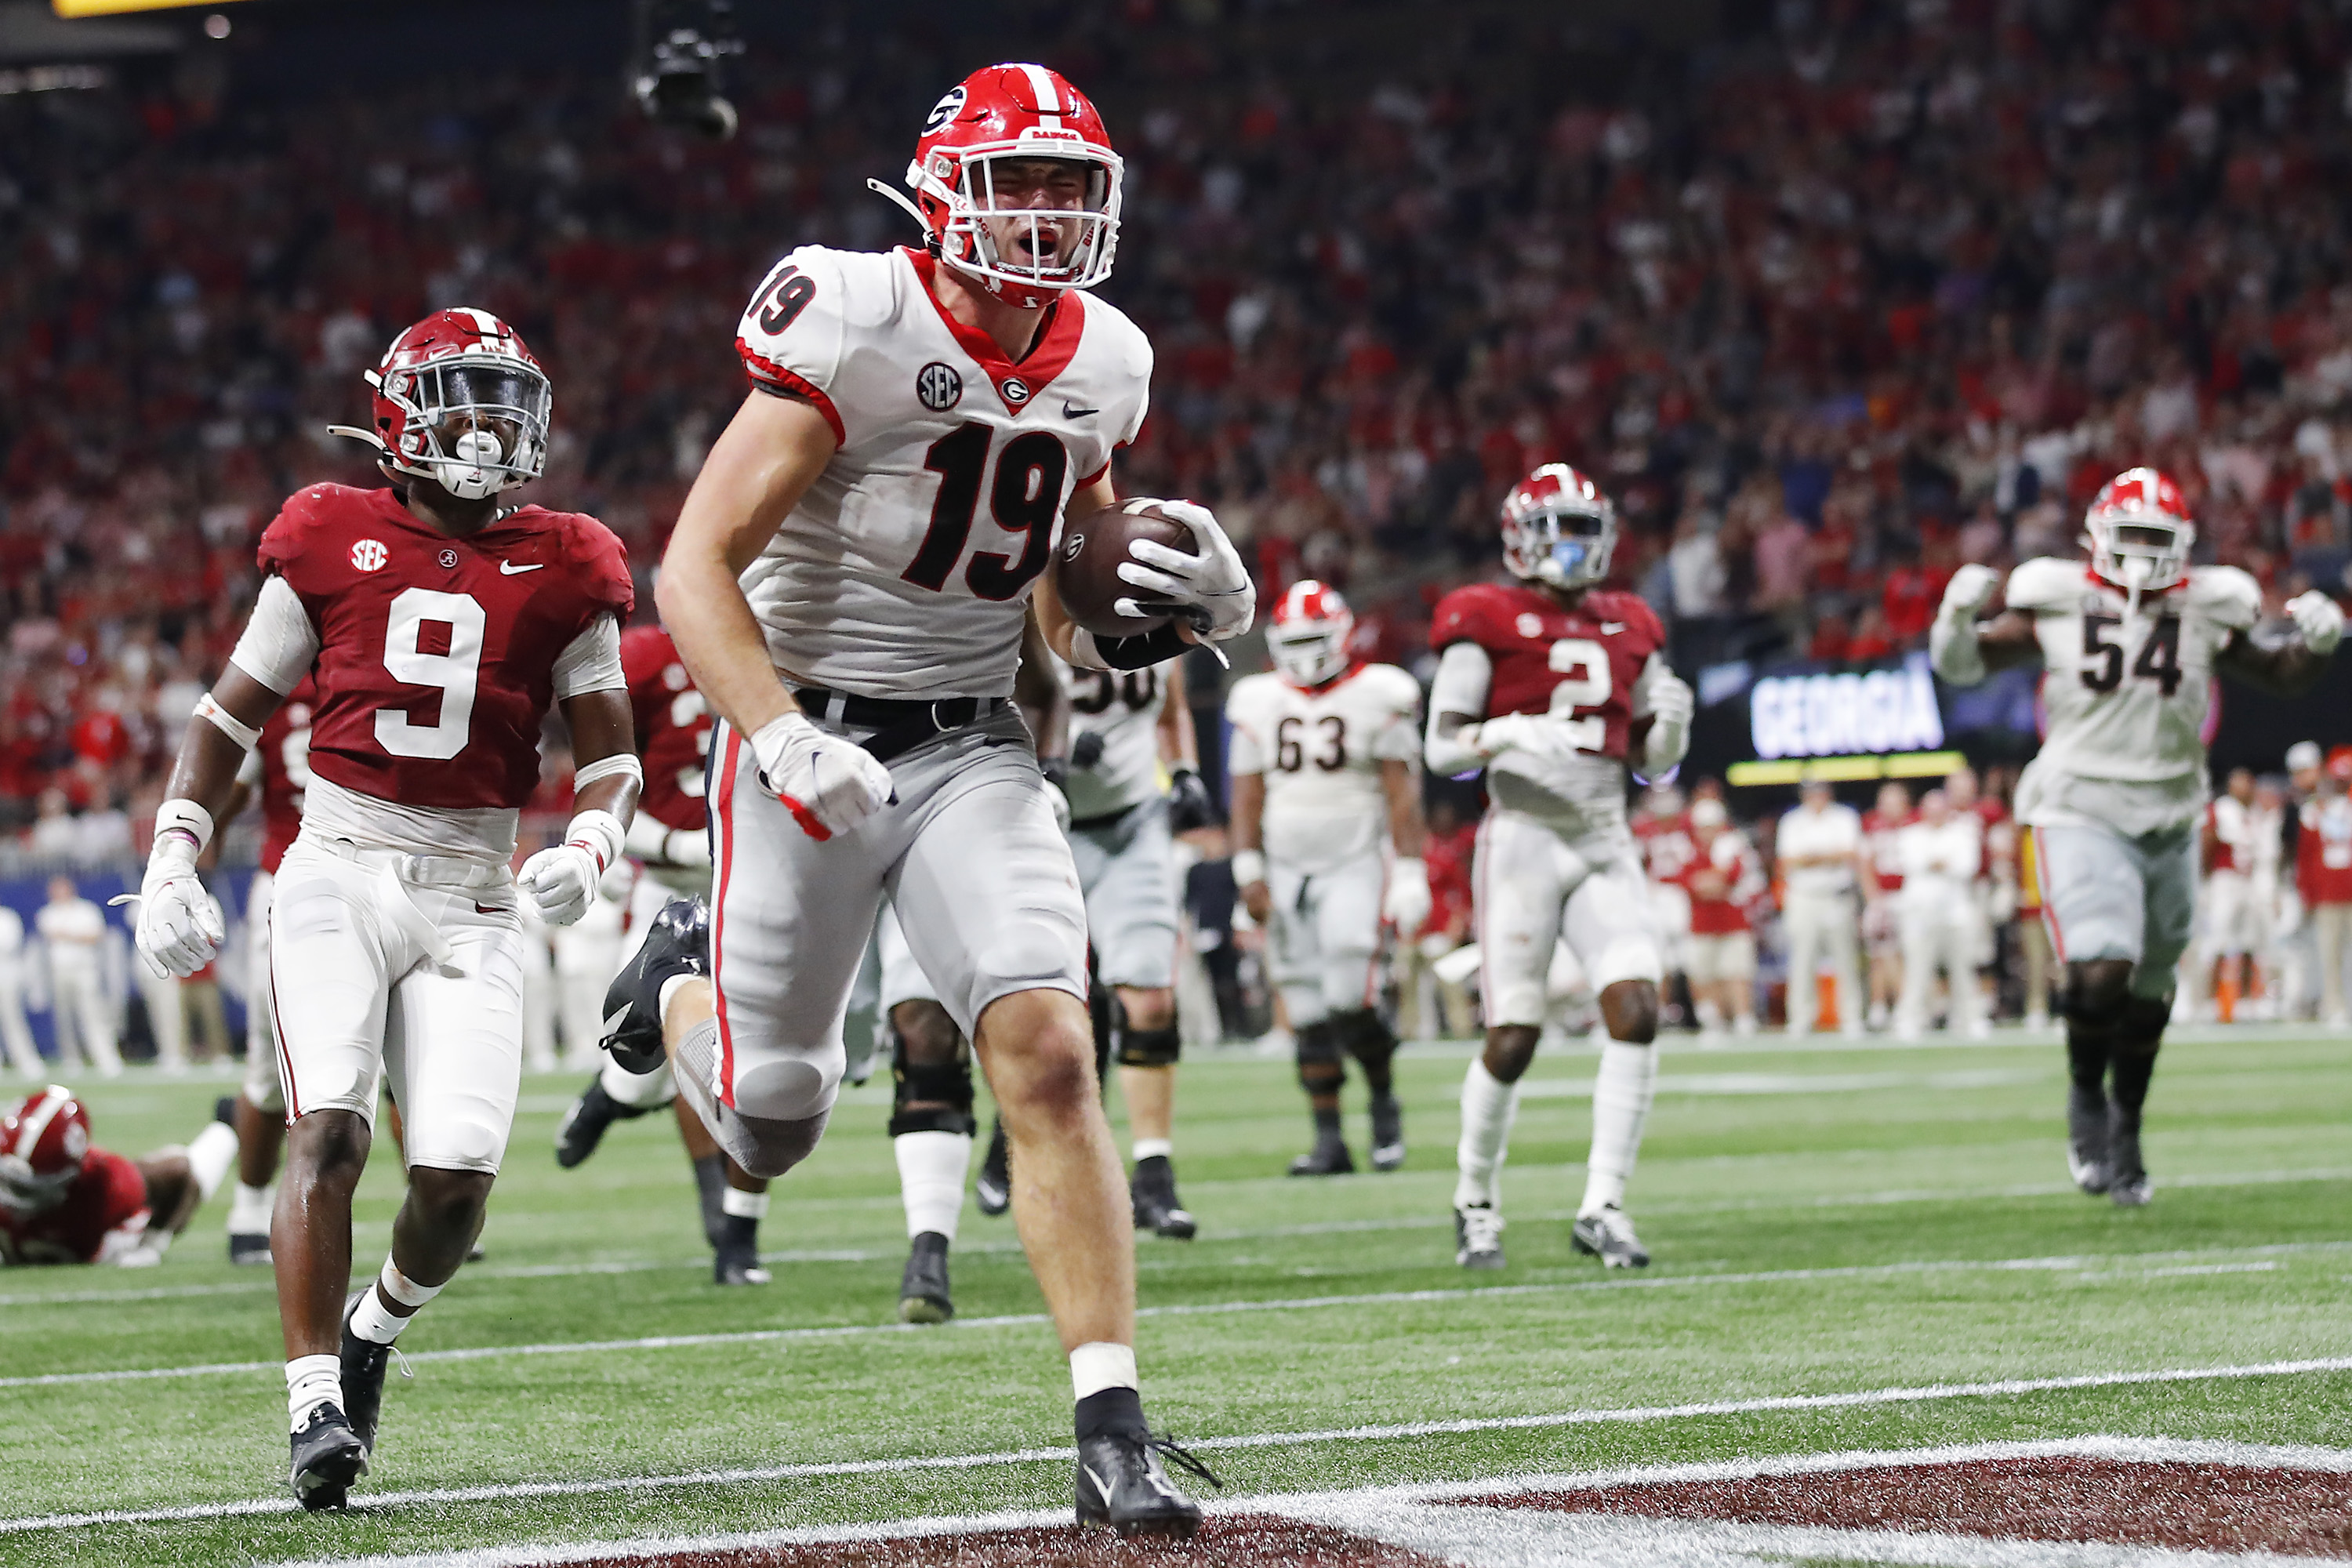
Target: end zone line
(2092,1265)
(1632,1414)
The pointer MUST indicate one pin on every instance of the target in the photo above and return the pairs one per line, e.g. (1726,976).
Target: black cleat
(923,1289)
(364,1364)
(224,1111)
(1477,1237)
(736,1260)
(583,1127)
(2130,1187)
(1607,1233)
(994,1188)
(1330,1157)
(677,942)
(328,1456)
(1123,1485)
(1157,1207)
(1388,1133)
(249,1247)
(2089,1131)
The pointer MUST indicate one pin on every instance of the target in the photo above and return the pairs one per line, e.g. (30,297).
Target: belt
(435,870)
(1108,819)
(898,725)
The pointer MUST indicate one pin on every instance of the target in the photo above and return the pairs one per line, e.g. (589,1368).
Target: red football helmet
(1000,114)
(43,1144)
(1308,635)
(1559,529)
(2140,532)
(459,400)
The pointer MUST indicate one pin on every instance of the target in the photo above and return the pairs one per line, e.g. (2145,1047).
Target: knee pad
(2096,1000)
(1320,1062)
(941,1093)
(766,1148)
(1149,1047)
(2140,1030)
(1366,1034)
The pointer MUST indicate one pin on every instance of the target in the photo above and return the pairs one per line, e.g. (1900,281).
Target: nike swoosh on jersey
(1611,628)
(1068,412)
(508,569)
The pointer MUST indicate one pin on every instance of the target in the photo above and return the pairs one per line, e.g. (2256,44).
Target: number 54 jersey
(1320,750)
(2127,696)
(903,571)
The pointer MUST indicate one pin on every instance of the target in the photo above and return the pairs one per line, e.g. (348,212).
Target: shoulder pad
(1395,684)
(2230,596)
(599,562)
(1466,615)
(791,335)
(2046,582)
(298,531)
(1617,605)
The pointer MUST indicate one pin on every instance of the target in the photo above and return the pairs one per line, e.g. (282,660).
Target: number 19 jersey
(2126,696)
(1320,750)
(903,571)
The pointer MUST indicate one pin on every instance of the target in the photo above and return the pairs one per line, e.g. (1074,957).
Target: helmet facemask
(25,1191)
(473,424)
(1308,653)
(1028,247)
(2142,552)
(1562,547)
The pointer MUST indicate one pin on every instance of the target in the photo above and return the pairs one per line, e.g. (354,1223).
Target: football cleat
(2128,1186)
(677,942)
(737,1264)
(2089,1152)
(1478,1235)
(328,1456)
(1157,1208)
(583,1127)
(1608,1234)
(365,1362)
(1122,1484)
(1330,1157)
(1388,1133)
(923,1289)
(249,1247)
(993,1189)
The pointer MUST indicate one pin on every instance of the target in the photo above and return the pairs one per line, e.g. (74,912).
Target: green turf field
(1824,1222)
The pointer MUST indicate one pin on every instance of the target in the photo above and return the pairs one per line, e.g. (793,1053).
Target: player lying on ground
(1327,840)
(859,644)
(438,625)
(2131,642)
(65,1200)
(1545,683)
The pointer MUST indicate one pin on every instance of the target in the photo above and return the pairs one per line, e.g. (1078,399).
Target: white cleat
(1607,1233)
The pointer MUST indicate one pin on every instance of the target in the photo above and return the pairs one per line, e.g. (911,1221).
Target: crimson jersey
(1580,664)
(436,655)
(285,748)
(1878,831)
(672,725)
(108,1194)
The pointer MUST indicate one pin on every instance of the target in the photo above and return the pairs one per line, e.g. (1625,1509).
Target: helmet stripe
(483,319)
(29,1132)
(1041,80)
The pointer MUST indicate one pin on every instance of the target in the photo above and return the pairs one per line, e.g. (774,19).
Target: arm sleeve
(591,661)
(1464,674)
(280,643)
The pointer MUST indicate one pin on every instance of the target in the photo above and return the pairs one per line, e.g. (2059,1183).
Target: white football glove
(1406,904)
(1970,590)
(1672,705)
(2319,619)
(562,880)
(1214,584)
(180,925)
(1531,732)
(828,784)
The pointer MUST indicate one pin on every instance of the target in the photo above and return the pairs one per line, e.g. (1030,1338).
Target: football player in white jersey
(855,620)
(1327,840)
(2131,642)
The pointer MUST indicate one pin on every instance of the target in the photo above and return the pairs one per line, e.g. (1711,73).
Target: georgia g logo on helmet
(1559,529)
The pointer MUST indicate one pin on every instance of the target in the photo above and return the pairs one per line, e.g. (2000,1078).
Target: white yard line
(1338,1507)
(2079,1266)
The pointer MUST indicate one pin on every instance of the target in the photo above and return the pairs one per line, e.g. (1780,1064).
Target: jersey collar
(1018,382)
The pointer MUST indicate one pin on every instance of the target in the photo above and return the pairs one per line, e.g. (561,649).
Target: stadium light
(69,9)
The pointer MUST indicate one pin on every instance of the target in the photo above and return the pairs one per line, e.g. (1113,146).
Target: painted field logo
(370,554)
(938,386)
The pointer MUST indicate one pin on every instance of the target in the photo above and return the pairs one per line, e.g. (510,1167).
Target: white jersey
(1834,830)
(2126,695)
(903,571)
(1123,706)
(1940,862)
(1320,753)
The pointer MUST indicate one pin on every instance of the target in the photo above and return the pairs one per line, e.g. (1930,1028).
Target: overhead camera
(674,67)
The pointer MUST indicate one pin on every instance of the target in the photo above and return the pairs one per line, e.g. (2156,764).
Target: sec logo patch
(939,388)
(370,554)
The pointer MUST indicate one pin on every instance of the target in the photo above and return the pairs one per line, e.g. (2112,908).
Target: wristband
(601,834)
(1249,866)
(184,816)
(246,736)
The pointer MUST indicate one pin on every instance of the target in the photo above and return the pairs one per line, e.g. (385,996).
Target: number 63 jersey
(1320,750)
(903,571)
(2126,698)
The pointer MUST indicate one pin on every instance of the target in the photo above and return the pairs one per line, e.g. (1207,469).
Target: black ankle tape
(1110,1412)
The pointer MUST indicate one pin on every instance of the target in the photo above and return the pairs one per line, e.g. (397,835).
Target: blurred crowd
(1829,304)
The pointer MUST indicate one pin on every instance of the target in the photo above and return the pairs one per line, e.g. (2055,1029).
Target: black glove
(1087,751)
(1056,770)
(1190,805)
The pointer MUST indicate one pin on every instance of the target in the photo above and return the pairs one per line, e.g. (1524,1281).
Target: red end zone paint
(1240,1539)
(2214,1507)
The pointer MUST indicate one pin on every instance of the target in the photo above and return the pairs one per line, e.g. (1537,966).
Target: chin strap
(901,198)
(356,434)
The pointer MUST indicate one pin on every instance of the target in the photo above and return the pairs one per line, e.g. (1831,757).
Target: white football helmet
(1559,529)
(1308,636)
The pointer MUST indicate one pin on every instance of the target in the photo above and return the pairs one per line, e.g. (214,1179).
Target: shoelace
(1481,1228)
(1155,1443)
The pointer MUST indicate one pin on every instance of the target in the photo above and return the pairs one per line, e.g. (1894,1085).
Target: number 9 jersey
(903,571)
(2128,698)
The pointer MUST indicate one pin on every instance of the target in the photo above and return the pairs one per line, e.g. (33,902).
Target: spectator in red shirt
(2322,874)
(1447,853)
(1723,878)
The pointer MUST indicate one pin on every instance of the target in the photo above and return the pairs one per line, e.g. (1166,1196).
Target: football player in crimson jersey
(1554,684)
(2131,642)
(855,620)
(670,838)
(439,622)
(1328,843)
(65,1200)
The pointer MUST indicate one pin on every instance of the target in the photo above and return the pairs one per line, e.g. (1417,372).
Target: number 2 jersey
(435,659)
(1585,665)
(2126,696)
(1320,750)
(903,571)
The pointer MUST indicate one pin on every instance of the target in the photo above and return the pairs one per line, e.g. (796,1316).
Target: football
(1086,569)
